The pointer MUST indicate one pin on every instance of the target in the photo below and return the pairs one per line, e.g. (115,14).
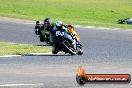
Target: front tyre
(79,49)
(67,49)
(42,39)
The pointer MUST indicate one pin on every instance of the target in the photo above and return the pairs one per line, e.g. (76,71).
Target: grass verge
(17,49)
(82,12)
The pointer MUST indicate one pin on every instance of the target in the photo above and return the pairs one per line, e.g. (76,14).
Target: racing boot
(74,44)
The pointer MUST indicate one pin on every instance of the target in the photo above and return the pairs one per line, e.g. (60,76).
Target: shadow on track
(42,45)
(46,55)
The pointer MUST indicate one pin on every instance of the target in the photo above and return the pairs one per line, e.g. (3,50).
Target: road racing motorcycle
(43,37)
(65,42)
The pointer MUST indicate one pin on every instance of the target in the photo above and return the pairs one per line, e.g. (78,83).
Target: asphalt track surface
(105,51)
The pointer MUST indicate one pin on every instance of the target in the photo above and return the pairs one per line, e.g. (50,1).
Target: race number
(58,33)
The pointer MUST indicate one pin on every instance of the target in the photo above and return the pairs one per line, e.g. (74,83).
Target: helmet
(59,23)
(47,22)
(37,22)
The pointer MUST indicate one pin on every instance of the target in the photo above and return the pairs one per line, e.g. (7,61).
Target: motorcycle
(43,37)
(65,42)
(124,21)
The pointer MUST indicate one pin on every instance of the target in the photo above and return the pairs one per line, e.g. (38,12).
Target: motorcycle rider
(38,28)
(51,27)
(70,30)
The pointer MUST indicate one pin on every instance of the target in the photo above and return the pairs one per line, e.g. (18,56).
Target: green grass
(83,12)
(15,49)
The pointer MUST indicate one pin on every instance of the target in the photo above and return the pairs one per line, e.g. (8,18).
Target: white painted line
(11,85)
(41,53)
(50,53)
(28,23)
(30,54)
(79,26)
(102,28)
(11,56)
(89,27)
(17,21)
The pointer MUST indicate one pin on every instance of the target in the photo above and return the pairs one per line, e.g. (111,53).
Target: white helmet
(59,23)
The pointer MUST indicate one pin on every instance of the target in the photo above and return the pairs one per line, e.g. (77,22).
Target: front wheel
(47,38)
(79,49)
(68,49)
(42,39)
